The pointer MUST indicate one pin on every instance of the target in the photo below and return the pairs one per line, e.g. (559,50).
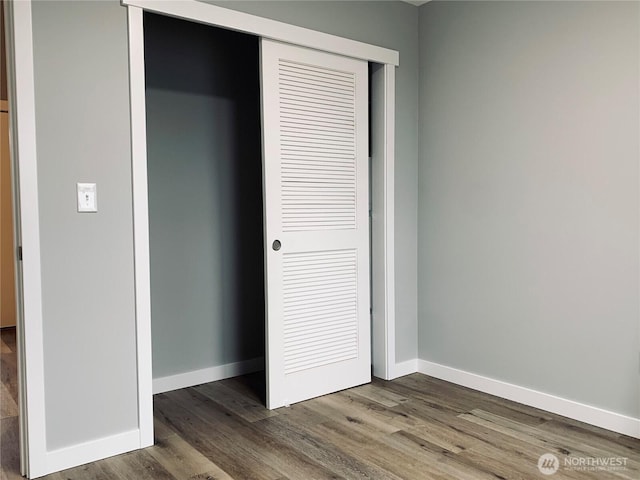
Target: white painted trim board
(90,451)
(267,28)
(141,262)
(383,305)
(568,408)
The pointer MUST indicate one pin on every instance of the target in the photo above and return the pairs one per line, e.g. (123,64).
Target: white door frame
(383,133)
(22,141)
(39,460)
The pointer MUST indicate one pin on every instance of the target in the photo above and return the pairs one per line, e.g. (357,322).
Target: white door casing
(315,174)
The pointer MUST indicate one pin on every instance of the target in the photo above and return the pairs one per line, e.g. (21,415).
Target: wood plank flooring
(9,449)
(415,427)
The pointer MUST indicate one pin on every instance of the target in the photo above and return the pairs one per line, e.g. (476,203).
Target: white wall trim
(389,137)
(91,451)
(140,224)
(206,375)
(267,28)
(533,398)
(383,90)
(22,121)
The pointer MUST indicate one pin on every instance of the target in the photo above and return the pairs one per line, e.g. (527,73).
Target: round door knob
(276,245)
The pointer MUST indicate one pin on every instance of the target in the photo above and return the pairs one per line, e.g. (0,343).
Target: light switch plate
(87,197)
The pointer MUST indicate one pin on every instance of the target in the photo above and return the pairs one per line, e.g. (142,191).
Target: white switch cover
(87,197)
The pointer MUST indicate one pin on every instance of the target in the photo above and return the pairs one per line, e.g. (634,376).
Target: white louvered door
(315,167)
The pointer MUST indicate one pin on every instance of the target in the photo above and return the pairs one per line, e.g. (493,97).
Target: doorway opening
(204,164)
(206,228)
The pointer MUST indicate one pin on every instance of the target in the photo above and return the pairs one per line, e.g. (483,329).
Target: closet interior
(205,201)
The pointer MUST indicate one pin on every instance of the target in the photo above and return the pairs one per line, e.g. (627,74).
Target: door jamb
(383,332)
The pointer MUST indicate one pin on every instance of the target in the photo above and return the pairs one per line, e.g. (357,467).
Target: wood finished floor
(415,427)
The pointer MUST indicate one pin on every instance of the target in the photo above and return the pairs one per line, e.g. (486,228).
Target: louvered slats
(317,147)
(320,308)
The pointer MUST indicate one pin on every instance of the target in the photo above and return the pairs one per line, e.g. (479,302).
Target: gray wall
(392,25)
(529,195)
(82,122)
(205,195)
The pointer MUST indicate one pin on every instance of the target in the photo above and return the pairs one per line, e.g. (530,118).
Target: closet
(257,159)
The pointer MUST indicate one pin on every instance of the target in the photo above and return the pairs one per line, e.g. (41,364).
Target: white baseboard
(206,375)
(88,452)
(404,368)
(533,398)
